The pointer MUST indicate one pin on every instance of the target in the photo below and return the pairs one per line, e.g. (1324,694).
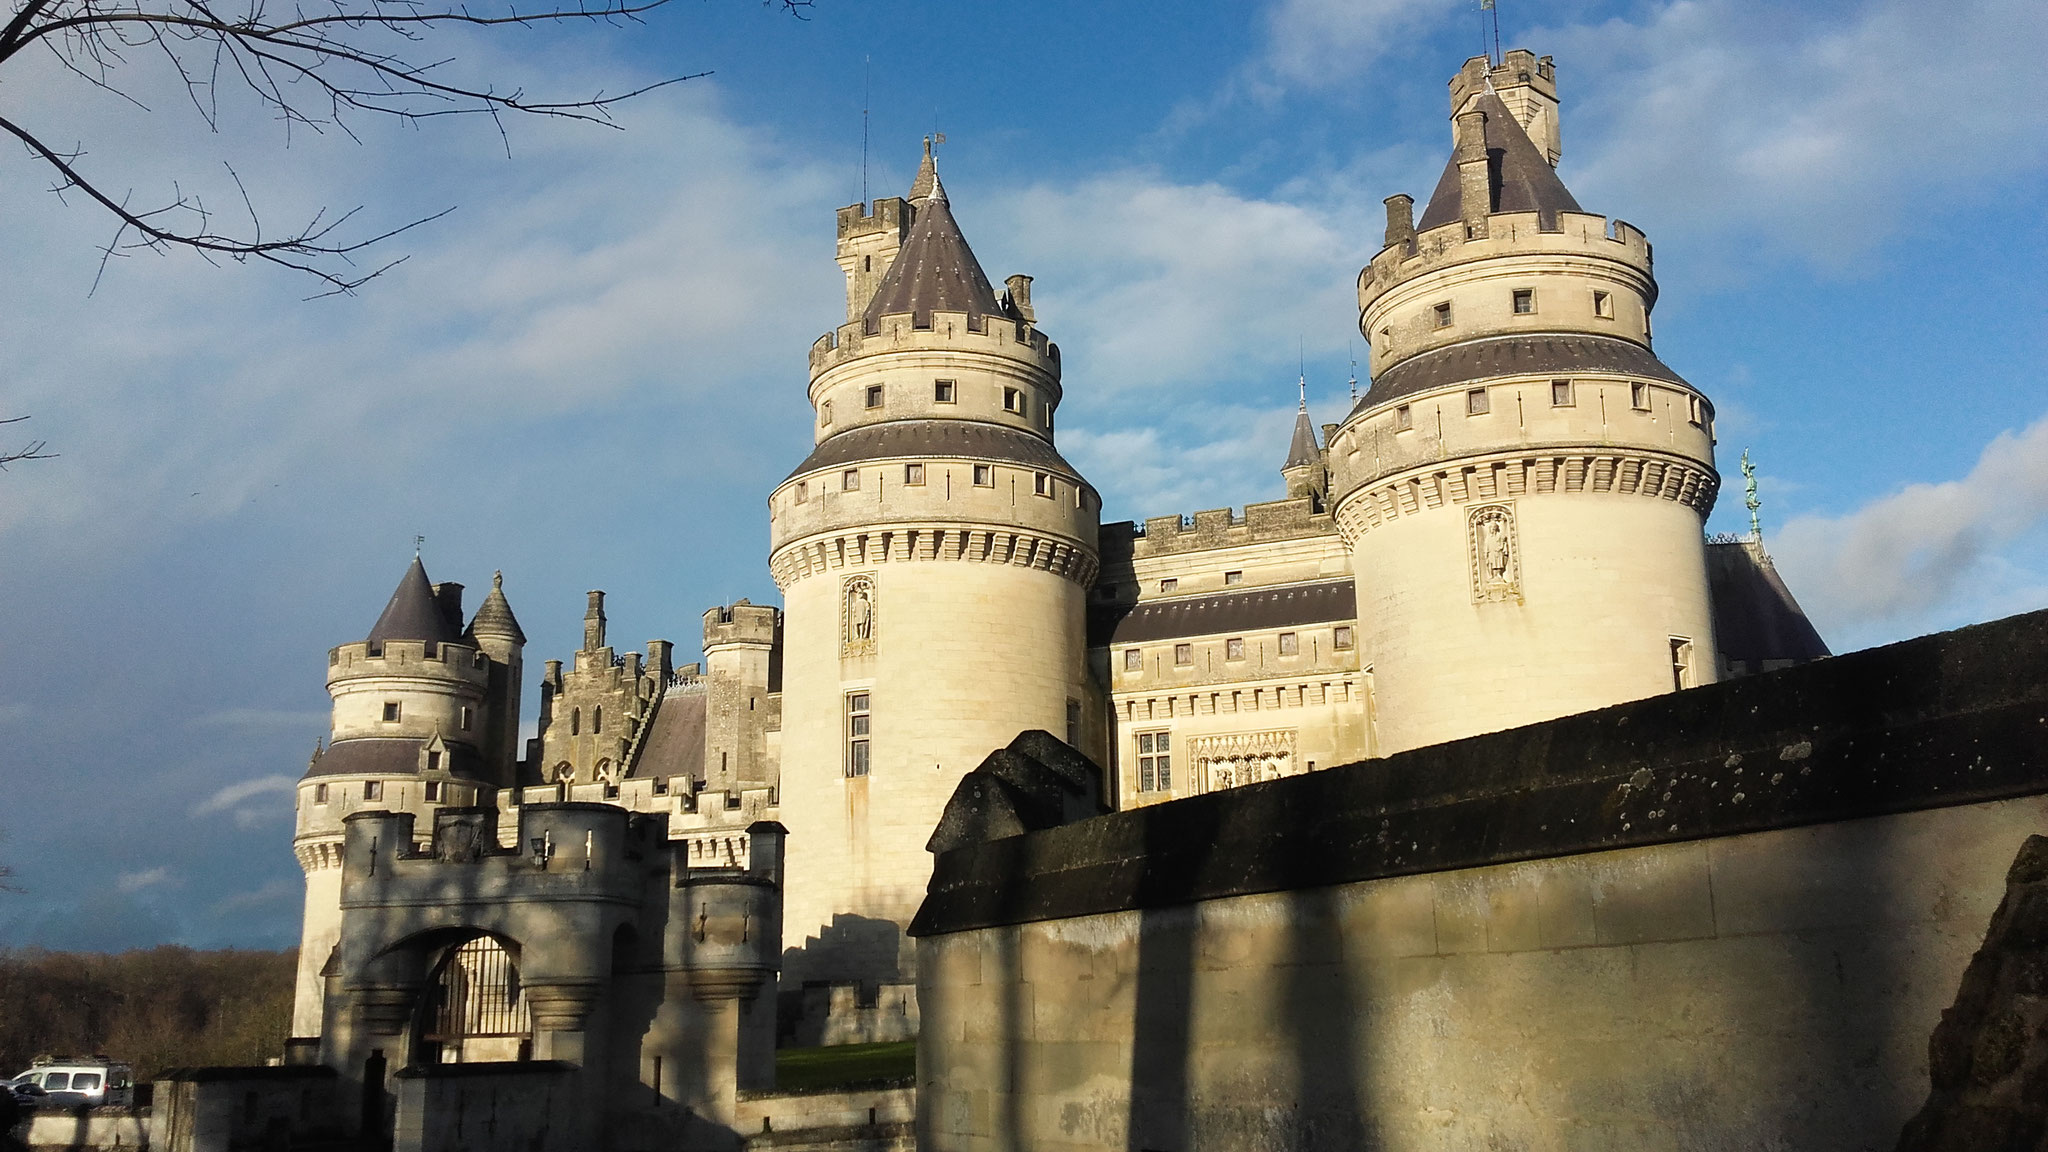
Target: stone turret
(934,552)
(495,631)
(1519,431)
(742,667)
(1306,475)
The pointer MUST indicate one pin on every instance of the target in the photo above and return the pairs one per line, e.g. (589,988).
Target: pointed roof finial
(494,616)
(1302,449)
(1750,499)
(413,612)
(927,177)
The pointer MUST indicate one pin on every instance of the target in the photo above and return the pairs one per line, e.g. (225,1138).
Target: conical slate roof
(1303,450)
(413,613)
(927,176)
(494,616)
(1523,181)
(934,272)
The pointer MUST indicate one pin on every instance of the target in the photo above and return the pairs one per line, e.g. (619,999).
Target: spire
(1303,449)
(927,177)
(494,616)
(935,271)
(1521,179)
(414,613)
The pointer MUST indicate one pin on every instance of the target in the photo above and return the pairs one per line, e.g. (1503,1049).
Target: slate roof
(1303,449)
(1252,610)
(1522,180)
(924,439)
(1755,616)
(389,756)
(674,747)
(935,271)
(1542,354)
(414,613)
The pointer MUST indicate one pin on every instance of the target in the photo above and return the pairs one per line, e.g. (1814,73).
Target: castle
(1506,528)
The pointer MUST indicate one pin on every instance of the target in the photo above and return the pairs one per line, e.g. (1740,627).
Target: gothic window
(913,473)
(597,720)
(1404,418)
(1603,305)
(857,733)
(849,480)
(1134,660)
(984,476)
(391,711)
(874,395)
(1342,638)
(1183,654)
(1561,394)
(1525,301)
(1233,648)
(1155,761)
(575,721)
(1290,644)
(943,391)
(1443,314)
(1477,402)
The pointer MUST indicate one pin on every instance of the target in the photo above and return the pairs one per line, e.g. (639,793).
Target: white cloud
(131,882)
(1325,43)
(1924,555)
(236,796)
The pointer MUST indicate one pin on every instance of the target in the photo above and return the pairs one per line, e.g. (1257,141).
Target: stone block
(1389,918)
(1648,894)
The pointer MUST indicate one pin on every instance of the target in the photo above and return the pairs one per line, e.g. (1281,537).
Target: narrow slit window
(858,733)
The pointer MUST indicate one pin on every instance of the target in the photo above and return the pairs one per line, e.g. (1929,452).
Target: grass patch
(844,1065)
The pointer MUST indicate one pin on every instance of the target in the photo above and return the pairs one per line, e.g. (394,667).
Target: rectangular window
(857,734)
(1525,301)
(1342,639)
(1681,663)
(1155,761)
(1290,644)
(913,473)
(1639,397)
(433,788)
(825,413)
(373,789)
(1561,394)
(1404,418)
(433,765)
(1477,403)
(1183,654)
(391,711)
(849,480)
(1073,723)
(1134,660)
(1013,400)
(1443,315)
(1233,648)
(803,491)
(1695,411)
(1603,305)
(874,395)
(943,391)
(1233,577)
(984,476)
(468,717)
(1169,584)
(319,793)
(1041,484)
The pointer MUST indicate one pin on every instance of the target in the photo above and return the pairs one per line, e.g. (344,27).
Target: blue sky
(592,372)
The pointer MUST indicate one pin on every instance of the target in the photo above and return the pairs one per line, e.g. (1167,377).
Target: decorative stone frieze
(1625,472)
(987,545)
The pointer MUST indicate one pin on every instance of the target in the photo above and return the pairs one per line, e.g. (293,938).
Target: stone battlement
(949,331)
(1214,528)
(414,659)
(741,623)
(892,214)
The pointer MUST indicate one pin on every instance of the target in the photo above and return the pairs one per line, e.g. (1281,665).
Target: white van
(91,1082)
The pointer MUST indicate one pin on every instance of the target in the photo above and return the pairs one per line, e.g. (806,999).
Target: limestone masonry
(688,864)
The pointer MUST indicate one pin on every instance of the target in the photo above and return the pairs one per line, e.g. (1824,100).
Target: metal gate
(479,1010)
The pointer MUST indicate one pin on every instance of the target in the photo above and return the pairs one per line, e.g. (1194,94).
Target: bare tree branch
(33,451)
(314,65)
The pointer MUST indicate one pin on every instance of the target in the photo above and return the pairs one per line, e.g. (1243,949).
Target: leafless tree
(33,450)
(316,65)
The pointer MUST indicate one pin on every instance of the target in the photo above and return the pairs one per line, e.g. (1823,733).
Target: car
(28,1096)
(80,1082)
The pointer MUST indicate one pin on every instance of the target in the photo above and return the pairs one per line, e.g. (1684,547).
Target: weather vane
(419,543)
(1749,498)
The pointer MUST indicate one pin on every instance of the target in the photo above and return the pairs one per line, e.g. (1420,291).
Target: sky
(591,372)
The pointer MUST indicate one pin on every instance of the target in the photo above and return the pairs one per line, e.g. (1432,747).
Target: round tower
(1524,486)
(409,726)
(934,553)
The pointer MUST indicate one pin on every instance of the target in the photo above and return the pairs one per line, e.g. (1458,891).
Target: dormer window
(874,395)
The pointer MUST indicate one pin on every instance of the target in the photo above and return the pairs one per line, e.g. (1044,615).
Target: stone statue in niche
(859,636)
(1496,559)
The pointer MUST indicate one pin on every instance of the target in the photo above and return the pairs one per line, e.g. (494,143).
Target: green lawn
(844,1065)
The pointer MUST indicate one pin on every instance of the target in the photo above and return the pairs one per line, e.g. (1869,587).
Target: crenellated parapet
(1003,337)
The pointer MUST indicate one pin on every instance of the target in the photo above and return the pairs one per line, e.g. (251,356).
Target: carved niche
(1496,553)
(857,616)
(1239,758)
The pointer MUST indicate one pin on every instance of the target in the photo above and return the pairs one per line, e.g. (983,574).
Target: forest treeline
(155,1008)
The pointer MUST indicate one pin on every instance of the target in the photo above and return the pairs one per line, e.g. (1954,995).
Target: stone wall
(1726,918)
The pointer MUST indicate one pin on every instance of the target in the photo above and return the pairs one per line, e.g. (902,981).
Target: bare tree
(316,65)
(33,450)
